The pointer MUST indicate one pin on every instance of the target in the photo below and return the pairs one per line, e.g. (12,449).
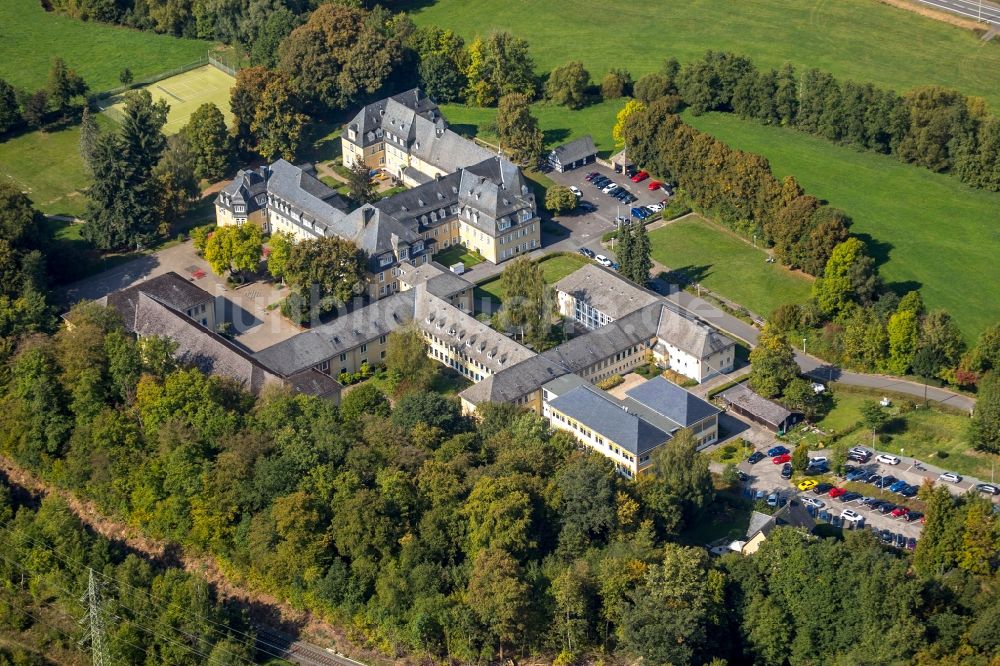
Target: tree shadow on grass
(878,250)
(464,129)
(554,137)
(687,275)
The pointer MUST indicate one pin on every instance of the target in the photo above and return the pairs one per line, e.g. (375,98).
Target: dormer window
(404,253)
(418,247)
(385,260)
(525,214)
(241,209)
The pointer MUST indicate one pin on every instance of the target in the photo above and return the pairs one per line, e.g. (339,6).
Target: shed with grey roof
(574,154)
(759,409)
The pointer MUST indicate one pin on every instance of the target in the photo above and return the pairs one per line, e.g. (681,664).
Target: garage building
(574,154)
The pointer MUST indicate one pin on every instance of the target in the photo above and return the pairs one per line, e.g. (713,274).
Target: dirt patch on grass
(937,15)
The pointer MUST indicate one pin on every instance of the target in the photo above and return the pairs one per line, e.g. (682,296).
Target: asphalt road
(974,9)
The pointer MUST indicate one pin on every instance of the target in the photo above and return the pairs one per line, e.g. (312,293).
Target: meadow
(30,38)
(857,39)
(927,230)
(699,251)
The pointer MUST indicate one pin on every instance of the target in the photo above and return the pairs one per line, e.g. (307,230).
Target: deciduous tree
(407,362)
(618,131)
(209,142)
(333,265)
(984,430)
(359,180)
(559,199)
(772,364)
(277,124)
(498,66)
(849,277)
(518,130)
(567,85)
(528,300)
(616,83)
(235,249)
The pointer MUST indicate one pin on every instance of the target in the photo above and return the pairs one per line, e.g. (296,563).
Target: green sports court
(184,93)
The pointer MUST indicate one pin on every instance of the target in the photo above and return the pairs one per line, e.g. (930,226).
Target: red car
(899,511)
(654,185)
(639,177)
(782,459)
(837,492)
(592,175)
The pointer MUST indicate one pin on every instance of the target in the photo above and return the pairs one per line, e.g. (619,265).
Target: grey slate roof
(369,120)
(170,289)
(755,404)
(637,328)
(606,417)
(324,342)
(695,337)
(670,400)
(302,191)
(515,382)
(314,382)
(200,347)
(438,280)
(605,290)
(445,149)
(575,150)
(476,340)
(494,187)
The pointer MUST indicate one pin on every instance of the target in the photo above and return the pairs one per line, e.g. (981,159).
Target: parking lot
(607,208)
(766,476)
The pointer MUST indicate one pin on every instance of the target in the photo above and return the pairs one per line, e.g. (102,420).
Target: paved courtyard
(246,308)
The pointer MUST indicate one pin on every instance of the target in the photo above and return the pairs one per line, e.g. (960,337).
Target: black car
(887,481)
(909,491)
(988,488)
(755,457)
(600,181)
(876,504)
(742,476)
(849,497)
(872,501)
(900,541)
(786,471)
(874,479)
(587,252)
(886,536)
(912,516)
(613,193)
(886,508)
(822,488)
(858,457)
(630,198)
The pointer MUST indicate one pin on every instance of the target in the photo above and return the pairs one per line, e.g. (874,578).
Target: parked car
(615,266)
(615,191)
(786,471)
(876,503)
(813,502)
(575,190)
(850,497)
(859,457)
(874,479)
(853,517)
(856,475)
(899,511)
(640,213)
(755,457)
(911,543)
(777,451)
(818,460)
(887,481)
(782,459)
(887,508)
(912,516)
(900,541)
(887,459)
(772,499)
(654,208)
(654,185)
(591,176)
(988,488)
(886,536)
(610,186)
(600,181)
(627,197)
(950,477)
(822,488)
(816,470)
(909,491)
(602,260)
(837,492)
(824,516)
(587,252)
(639,177)
(896,487)
(808,484)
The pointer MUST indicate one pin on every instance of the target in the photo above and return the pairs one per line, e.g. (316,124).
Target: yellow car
(808,484)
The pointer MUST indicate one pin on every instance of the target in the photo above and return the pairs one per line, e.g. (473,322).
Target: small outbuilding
(574,154)
(758,409)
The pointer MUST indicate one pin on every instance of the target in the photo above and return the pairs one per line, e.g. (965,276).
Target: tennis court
(184,93)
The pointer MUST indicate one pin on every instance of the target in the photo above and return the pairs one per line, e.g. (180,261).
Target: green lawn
(554,268)
(930,231)
(704,253)
(558,123)
(455,254)
(32,37)
(858,39)
(922,433)
(48,166)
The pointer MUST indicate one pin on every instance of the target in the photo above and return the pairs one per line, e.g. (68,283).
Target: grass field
(184,93)
(554,268)
(558,123)
(455,254)
(858,39)
(30,38)
(704,253)
(48,166)
(929,230)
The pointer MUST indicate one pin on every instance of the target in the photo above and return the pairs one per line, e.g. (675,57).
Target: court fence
(96,98)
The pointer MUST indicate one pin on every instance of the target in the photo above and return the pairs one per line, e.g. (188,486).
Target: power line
(94,620)
(79,568)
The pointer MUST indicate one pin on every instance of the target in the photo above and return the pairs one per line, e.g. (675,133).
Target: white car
(851,516)
(818,461)
(610,187)
(813,502)
(887,459)
(950,477)
(603,261)
(654,208)
(575,190)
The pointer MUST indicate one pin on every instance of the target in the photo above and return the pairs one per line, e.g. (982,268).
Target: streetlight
(803,345)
